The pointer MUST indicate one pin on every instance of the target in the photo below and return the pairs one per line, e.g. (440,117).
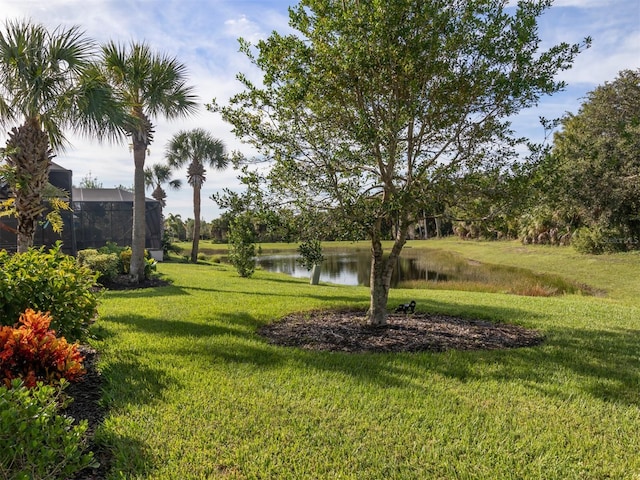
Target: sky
(203,35)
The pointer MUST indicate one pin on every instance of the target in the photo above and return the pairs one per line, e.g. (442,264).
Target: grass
(455,272)
(194,393)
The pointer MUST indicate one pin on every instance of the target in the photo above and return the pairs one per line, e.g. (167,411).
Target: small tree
(372,102)
(242,250)
(89,181)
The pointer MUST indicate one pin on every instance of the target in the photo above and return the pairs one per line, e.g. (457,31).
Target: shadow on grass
(345,298)
(128,381)
(127,456)
(599,363)
(182,328)
(150,292)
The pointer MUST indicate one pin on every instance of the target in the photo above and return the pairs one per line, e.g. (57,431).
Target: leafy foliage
(242,250)
(596,240)
(595,168)
(32,352)
(106,266)
(48,281)
(36,442)
(112,260)
(310,253)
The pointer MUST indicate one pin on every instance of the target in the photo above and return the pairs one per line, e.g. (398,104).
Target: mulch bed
(86,393)
(346,331)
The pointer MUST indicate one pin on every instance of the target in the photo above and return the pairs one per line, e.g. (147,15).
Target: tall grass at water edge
(193,392)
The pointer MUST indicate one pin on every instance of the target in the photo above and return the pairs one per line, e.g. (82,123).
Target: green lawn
(194,393)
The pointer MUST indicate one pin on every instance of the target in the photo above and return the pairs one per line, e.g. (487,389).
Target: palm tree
(149,85)
(196,147)
(47,84)
(157,175)
(175,226)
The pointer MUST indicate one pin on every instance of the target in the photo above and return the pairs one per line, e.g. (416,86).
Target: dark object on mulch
(406,307)
(346,331)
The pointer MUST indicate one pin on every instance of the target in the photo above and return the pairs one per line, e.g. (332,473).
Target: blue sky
(203,35)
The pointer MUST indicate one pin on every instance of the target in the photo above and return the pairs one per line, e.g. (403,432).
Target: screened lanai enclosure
(98,216)
(103,215)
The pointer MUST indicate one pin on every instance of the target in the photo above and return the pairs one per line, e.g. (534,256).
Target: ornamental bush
(242,251)
(32,352)
(36,442)
(106,266)
(48,281)
(112,260)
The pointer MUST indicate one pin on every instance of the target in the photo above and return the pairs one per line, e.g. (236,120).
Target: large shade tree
(372,101)
(47,85)
(596,160)
(149,85)
(196,148)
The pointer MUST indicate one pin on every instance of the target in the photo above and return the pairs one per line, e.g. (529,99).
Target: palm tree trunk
(139,221)
(29,155)
(196,223)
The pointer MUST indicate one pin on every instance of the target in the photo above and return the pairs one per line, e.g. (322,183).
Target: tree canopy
(596,157)
(371,102)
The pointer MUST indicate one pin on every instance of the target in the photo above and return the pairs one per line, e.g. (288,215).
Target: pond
(426,268)
(354,267)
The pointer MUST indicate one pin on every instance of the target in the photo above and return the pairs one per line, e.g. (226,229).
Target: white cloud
(243,27)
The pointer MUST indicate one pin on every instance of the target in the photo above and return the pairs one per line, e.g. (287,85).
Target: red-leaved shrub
(32,352)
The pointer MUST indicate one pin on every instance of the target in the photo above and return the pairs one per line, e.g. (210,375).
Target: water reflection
(349,268)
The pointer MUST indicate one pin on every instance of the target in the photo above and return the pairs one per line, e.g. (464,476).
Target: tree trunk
(438,220)
(315,274)
(29,155)
(381,272)
(139,221)
(196,223)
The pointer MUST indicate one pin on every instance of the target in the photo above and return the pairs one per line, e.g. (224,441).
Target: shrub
(33,353)
(83,255)
(242,251)
(48,281)
(106,266)
(112,260)
(125,262)
(35,441)
(596,240)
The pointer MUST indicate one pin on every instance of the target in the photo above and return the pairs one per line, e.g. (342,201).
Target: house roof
(57,168)
(103,195)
